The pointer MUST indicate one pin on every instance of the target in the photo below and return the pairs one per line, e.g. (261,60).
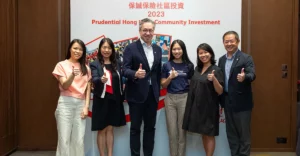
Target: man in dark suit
(142,68)
(239,72)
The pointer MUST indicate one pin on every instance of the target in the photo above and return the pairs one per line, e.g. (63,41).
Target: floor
(52,153)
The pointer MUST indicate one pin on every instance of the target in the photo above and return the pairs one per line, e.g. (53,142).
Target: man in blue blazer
(237,100)
(142,68)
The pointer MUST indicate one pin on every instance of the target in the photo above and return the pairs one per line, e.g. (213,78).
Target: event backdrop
(193,21)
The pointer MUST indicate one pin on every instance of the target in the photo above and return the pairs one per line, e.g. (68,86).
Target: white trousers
(70,126)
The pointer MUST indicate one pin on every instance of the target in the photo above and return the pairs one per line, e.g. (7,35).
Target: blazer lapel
(142,52)
(155,56)
(235,61)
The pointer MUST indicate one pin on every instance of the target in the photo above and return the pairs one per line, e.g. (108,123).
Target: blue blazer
(239,93)
(97,73)
(136,90)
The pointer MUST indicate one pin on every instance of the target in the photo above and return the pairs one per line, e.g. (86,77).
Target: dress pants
(175,108)
(143,112)
(70,126)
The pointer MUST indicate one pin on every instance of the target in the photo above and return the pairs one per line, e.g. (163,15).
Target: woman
(73,76)
(176,74)
(108,110)
(202,108)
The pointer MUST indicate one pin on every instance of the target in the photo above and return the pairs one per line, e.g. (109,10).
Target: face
(146,32)
(177,51)
(106,50)
(204,56)
(76,51)
(230,43)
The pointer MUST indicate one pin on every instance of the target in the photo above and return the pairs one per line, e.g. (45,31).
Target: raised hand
(241,76)
(173,73)
(140,73)
(211,77)
(75,71)
(104,78)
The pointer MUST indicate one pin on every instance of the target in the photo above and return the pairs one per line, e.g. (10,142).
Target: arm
(218,87)
(85,110)
(66,82)
(249,70)
(127,64)
(87,95)
(96,77)
(165,81)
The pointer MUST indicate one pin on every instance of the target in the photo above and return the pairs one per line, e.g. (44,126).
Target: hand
(241,76)
(211,77)
(75,72)
(84,112)
(173,73)
(104,78)
(140,73)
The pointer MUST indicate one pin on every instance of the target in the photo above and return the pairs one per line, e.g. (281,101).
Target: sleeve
(220,76)
(95,75)
(127,64)
(191,70)
(249,70)
(59,71)
(89,74)
(159,71)
(164,71)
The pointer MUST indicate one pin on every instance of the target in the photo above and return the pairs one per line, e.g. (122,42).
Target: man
(239,72)
(142,68)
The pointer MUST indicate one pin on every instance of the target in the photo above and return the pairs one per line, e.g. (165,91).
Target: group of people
(191,103)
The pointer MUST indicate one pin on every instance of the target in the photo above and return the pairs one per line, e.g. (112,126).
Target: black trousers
(143,112)
(238,132)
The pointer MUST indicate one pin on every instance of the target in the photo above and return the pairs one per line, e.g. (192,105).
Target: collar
(233,55)
(144,43)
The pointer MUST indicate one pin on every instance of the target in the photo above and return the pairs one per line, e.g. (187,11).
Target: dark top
(180,84)
(239,94)
(201,113)
(137,89)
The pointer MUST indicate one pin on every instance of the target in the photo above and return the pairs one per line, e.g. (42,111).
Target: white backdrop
(87,24)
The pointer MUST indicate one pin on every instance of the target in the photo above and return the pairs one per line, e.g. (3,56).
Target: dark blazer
(97,73)
(136,90)
(239,93)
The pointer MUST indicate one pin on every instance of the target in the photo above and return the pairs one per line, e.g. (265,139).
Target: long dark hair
(206,47)
(185,57)
(112,57)
(82,59)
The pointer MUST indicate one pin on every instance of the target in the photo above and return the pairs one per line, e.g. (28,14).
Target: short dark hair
(232,33)
(206,47)
(146,20)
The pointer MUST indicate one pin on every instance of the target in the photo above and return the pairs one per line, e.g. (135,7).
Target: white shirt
(149,53)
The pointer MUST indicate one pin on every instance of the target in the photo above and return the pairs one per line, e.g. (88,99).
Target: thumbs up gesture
(173,73)
(104,78)
(75,71)
(211,76)
(241,76)
(140,73)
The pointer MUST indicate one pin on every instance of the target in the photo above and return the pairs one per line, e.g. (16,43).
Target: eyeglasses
(148,30)
(229,41)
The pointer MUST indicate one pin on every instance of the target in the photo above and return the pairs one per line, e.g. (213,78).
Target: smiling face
(230,43)
(106,50)
(177,51)
(76,51)
(146,32)
(204,56)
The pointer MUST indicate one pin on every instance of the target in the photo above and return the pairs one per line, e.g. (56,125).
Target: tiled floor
(52,153)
